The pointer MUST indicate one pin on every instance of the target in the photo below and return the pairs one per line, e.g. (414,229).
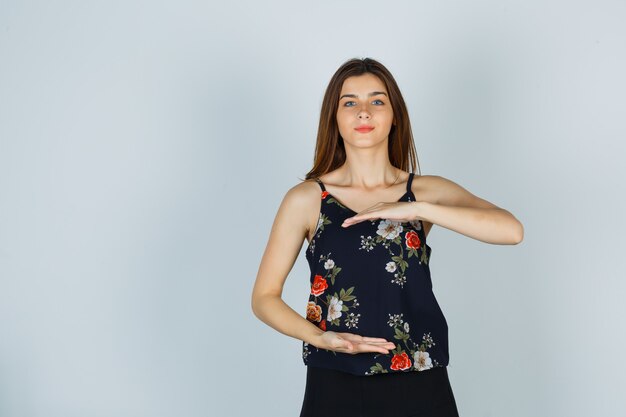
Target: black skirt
(333,393)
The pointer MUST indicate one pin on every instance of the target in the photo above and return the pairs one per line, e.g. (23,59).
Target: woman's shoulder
(308,186)
(438,189)
(303,194)
(427,187)
(430,178)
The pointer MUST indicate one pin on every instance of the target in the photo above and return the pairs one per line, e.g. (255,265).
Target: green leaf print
(399,334)
(333,274)
(378,369)
(404,265)
(344,295)
(341,297)
(424,257)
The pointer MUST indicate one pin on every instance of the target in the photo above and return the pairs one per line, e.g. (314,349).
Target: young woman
(374,339)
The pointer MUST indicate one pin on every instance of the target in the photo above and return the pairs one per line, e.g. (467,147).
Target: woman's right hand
(352,343)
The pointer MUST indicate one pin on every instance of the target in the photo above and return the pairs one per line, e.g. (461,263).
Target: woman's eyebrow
(373,93)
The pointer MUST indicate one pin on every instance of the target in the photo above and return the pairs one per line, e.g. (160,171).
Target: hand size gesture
(400,211)
(353,343)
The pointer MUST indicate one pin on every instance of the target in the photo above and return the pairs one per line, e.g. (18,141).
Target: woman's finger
(351,337)
(374,339)
(372,348)
(369,340)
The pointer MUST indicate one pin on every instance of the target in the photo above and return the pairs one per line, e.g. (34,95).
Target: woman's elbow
(258,300)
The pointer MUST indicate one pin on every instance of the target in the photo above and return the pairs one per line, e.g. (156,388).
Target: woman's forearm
(274,312)
(489,225)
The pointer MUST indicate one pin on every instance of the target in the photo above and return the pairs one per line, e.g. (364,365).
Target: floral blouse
(372,279)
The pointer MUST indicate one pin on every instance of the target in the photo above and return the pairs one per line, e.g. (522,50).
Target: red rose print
(324,194)
(412,240)
(323,325)
(400,362)
(319,285)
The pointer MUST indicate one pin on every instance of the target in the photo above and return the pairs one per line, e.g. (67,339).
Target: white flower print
(322,288)
(305,350)
(406,346)
(321,221)
(399,279)
(428,339)
(389,229)
(395,319)
(329,264)
(352,320)
(334,309)
(422,360)
(416,224)
(367,243)
(391,266)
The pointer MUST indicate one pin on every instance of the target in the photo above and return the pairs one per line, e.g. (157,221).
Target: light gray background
(145,148)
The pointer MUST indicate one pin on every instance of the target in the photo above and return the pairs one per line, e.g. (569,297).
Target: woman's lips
(364,129)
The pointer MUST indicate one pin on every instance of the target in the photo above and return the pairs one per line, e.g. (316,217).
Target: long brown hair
(330,152)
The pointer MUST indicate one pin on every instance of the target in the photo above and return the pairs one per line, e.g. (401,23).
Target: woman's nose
(363,114)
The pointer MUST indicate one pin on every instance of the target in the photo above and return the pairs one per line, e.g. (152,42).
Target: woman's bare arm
(459,210)
(287,235)
(286,238)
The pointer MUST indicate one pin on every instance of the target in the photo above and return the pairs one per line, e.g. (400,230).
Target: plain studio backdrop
(146,146)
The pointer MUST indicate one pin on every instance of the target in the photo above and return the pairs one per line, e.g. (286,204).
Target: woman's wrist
(420,208)
(316,338)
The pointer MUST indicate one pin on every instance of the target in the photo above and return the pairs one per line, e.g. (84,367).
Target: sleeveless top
(372,279)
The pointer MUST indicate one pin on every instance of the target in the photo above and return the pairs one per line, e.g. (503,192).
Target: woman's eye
(348,102)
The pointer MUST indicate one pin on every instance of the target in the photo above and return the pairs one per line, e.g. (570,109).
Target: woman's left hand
(400,211)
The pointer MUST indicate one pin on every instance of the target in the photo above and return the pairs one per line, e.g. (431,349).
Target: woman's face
(364,101)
